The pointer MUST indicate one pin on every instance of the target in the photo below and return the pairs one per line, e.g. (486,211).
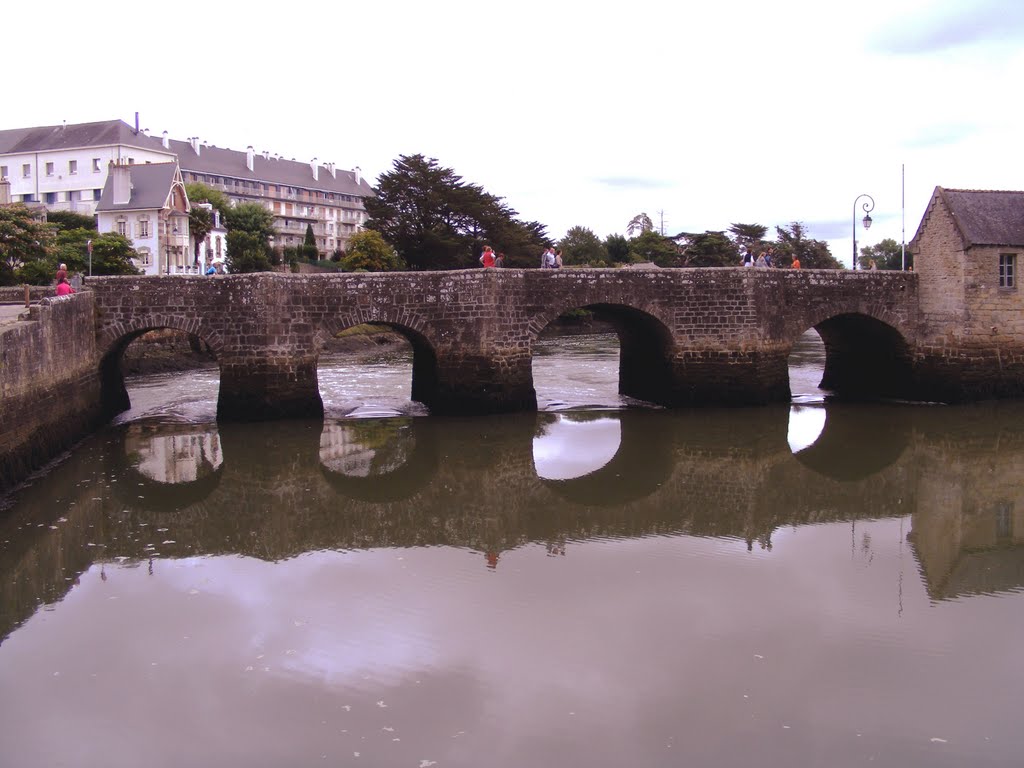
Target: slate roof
(57,137)
(986,217)
(151,184)
(216,161)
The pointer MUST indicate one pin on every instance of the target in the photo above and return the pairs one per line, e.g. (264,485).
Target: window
(122,228)
(1007,268)
(97,194)
(3,171)
(72,167)
(51,198)
(143,228)
(144,256)
(95,165)
(26,171)
(49,169)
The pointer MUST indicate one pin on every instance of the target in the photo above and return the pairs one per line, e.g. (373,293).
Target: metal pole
(868,207)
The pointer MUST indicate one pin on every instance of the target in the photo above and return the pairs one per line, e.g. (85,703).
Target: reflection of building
(361,450)
(175,458)
(147,204)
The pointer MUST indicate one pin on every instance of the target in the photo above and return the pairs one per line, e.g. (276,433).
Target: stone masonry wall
(49,384)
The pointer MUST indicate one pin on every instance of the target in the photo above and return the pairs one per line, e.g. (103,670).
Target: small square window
(72,167)
(95,165)
(1007,270)
(49,169)
(122,228)
(97,194)
(51,198)
(26,171)
(3,171)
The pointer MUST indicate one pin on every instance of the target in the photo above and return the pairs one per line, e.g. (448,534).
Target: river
(602,583)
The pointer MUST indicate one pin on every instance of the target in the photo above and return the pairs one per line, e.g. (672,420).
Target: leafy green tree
(651,246)
(309,250)
(618,248)
(435,220)
(63,220)
(581,246)
(370,252)
(707,249)
(23,239)
(200,224)
(112,254)
(201,193)
(639,224)
(250,227)
(888,254)
(794,243)
(247,252)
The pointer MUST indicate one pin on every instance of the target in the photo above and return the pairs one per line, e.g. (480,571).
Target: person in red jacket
(64,287)
(487,257)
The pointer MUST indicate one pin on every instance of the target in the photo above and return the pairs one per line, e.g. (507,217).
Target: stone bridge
(687,337)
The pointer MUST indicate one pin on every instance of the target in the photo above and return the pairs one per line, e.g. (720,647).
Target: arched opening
(376,371)
(865,359)
(853,441)
(570,445)
(143,372)
(602,356)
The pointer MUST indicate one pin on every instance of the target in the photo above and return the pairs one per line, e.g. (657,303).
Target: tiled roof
(986,217)
(56,137)
(216,161)
(151,184)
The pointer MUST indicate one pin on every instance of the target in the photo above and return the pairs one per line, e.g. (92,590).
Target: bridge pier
(265,388)
(491,381)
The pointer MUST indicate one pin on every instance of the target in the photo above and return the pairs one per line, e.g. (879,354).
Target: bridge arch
(646,347)
(410,326)
(114,340)
(867,355)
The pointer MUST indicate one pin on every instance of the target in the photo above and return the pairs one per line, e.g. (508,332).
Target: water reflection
(574,445)
(173,454)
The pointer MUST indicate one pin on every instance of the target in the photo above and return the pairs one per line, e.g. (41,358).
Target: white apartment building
(64,167)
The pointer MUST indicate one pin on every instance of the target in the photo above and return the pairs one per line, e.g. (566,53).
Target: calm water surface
(599,584)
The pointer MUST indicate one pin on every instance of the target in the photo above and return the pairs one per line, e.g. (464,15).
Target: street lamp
(868,206)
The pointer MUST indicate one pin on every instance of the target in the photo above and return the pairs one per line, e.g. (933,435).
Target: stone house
(967,251)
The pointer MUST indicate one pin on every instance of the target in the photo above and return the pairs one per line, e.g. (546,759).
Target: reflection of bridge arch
(411,327)
(155,495)
(643,462)
(399,484)
(645,348)
(831,456)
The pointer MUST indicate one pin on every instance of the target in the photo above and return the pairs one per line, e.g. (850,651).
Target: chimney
(266,154)
(358,173)
(194,141)
(145,132)
(166,142)
(136,123)
(121,183)
(249,156)
(316,169)
(330,170)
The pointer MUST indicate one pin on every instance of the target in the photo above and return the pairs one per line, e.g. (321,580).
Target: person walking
(64,287)
(487,257)
(499,260)
(547,260)
(796,263)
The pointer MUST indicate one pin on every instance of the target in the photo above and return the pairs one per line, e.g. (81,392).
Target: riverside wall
(49,384)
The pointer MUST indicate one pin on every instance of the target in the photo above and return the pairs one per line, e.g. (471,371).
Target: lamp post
(868,206)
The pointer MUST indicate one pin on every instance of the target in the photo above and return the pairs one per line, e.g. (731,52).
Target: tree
(70,220)
(707,249)
(618,248)
(23,239)
(581,246)
(888,254)
(201,193)
(249,226)
(640,223)
(793,243)
(437,221)
(200,223)
(651,246)
(112,254)
(369,252)
(309,250)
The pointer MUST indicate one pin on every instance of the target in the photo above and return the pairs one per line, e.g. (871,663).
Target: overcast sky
(577,113)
